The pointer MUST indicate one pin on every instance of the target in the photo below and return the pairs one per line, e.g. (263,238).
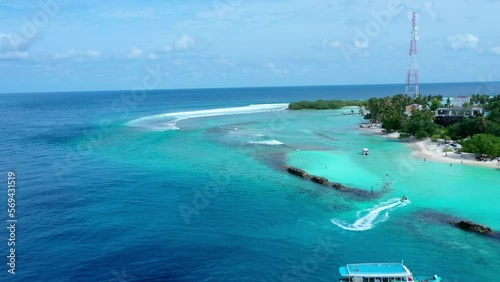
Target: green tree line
(324,104)
(481,133)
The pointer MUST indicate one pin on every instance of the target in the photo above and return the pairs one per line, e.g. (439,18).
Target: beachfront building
(459,101)
(447,116)
(458,111)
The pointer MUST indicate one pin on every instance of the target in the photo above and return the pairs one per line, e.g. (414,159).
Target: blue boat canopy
(375,270)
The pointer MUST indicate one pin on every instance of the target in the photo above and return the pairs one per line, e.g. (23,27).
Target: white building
(459,101)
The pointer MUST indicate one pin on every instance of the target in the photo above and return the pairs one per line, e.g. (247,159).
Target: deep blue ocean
(170,185)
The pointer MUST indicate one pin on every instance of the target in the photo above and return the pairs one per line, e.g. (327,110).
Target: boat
(365,151)
(404,198)
(381,272)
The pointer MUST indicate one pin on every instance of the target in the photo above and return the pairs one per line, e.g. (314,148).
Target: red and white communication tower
(412,68)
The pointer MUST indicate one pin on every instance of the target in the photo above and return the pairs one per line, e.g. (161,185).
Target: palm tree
(481,124)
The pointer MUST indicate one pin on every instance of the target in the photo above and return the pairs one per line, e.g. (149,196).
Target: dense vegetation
(483,145)
(420,124)
(479,134)
(324,104)
(482,133)
(390,112)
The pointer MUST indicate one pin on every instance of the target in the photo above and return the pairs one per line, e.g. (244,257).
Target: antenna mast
(412,67)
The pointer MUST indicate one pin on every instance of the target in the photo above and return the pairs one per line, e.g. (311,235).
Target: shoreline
(425,149)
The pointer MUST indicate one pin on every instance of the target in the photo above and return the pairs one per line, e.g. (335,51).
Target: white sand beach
(432,151)
(377,130)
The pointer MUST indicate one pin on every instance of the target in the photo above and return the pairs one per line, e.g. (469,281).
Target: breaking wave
(267,142)
(169,121)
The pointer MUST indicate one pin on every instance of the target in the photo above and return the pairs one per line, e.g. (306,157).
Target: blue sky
(62,45)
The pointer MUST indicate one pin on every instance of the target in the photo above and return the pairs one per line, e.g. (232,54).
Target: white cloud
(168,48)
(92,54)
(495,50)
(78,55)
(65,55)
(13,42)
(361,44)
(275,69)
(143,13)
(178,62)
(463,41)
(226,61)
(331,43)
(152,56)
(132,77)
(18,4)
(14,55)
(182,43)
(134,53)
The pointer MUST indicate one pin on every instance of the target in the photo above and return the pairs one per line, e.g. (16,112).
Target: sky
(71,45)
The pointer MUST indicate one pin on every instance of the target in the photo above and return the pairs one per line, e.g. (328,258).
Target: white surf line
(271,142)
(168,121)
(372,218)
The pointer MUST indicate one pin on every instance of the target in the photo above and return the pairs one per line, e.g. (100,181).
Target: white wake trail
(375,215)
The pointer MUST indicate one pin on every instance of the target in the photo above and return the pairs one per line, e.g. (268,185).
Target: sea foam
(267,142)
(169,121)
(369,218)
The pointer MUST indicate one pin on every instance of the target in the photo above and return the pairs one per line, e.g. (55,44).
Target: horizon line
(243,87)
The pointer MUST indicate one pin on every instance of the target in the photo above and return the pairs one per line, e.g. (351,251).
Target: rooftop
(374,270)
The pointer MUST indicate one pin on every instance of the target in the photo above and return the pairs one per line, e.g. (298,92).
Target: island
(437,129)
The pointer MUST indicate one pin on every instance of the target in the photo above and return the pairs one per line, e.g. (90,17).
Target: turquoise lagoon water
(110,194)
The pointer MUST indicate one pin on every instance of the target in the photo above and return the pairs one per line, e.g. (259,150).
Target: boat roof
(374,270)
